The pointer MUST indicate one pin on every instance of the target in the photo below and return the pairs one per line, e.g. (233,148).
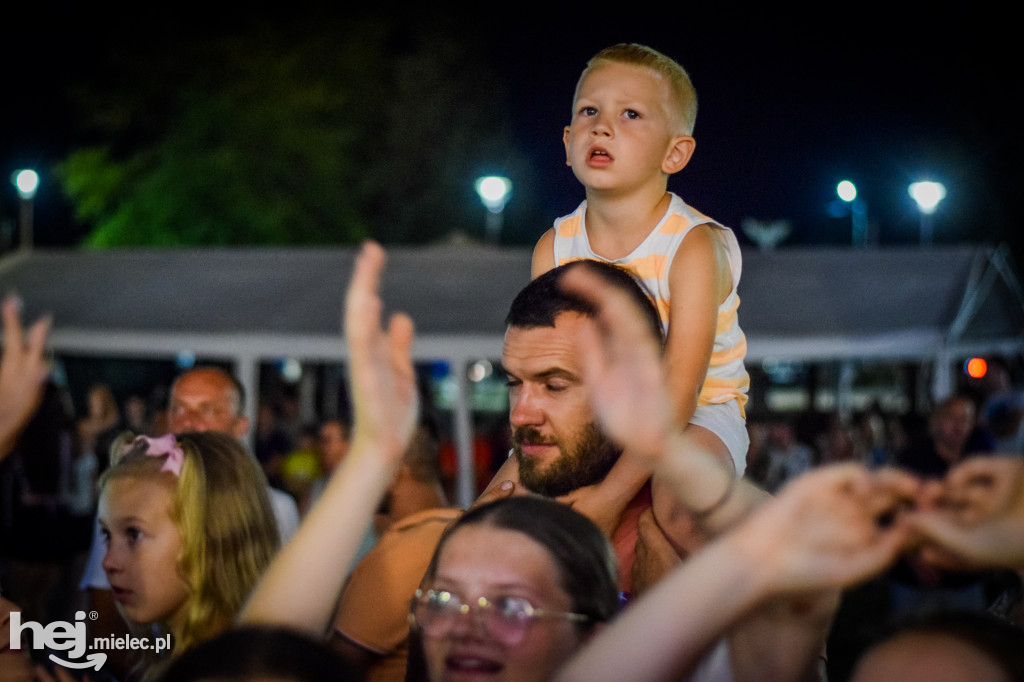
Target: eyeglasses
(506,618)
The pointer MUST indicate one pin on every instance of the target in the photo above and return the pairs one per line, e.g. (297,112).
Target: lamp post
(847,191)
(27,181)
(927,195)
(494,192)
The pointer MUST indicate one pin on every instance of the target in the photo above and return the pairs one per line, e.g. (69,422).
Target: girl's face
(143,548)
(484,561)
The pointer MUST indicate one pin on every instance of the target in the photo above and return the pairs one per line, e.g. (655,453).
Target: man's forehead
(204,385)
(542,349)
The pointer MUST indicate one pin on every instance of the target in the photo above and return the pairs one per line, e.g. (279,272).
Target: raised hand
(830,527)
(624,369)
(385,407)
(975,517)
(385,399)
(23,368)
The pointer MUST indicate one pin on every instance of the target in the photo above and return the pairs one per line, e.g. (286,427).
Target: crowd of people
(638,530)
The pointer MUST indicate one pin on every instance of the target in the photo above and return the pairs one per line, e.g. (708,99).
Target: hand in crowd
(624,367)
(975,516)
(23,368)
(830,527)
(385,408)
(385,400)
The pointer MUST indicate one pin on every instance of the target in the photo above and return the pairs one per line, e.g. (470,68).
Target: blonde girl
(189,531)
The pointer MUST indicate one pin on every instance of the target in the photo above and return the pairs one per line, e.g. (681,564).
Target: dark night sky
(790,104)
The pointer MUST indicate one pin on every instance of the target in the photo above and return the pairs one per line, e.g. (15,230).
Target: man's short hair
(541,301)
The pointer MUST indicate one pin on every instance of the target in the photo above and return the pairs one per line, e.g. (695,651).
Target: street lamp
(927,195)
(494,192)
(847,191)
(27,181)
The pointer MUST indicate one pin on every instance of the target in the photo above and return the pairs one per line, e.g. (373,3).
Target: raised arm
(831,527)
(23,369)
(634,406)
(302,584)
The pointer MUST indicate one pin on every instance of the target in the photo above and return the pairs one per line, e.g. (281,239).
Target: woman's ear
(679,154)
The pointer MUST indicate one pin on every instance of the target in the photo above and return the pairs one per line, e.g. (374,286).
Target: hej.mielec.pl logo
(72,638)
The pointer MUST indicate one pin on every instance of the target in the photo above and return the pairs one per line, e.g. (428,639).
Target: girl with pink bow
(189,530)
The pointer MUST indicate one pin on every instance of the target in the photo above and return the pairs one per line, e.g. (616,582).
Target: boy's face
(622,133)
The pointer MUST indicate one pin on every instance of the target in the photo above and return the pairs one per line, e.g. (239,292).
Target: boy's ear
(679,154)
(565,141)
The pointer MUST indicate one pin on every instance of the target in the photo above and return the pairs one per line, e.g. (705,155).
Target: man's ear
(241,426)
(679,154)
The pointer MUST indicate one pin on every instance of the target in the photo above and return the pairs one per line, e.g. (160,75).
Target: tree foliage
(300,131)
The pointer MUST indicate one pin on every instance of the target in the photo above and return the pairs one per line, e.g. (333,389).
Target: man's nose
(525,410)
(187,420)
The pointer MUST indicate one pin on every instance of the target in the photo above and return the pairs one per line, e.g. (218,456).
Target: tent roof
(263,302)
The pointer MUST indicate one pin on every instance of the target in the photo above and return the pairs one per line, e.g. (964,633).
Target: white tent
(248,305)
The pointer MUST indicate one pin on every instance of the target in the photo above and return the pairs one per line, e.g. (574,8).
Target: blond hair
(683,96)
(221,509)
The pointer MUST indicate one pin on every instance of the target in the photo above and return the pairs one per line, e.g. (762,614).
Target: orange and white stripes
(727,378)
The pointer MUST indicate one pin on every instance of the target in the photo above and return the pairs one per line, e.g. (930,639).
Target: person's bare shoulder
(543,254)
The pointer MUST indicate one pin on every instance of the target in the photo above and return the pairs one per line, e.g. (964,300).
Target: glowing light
(927,195)
(846,190)
(976,368)
(494,191)
(27,181)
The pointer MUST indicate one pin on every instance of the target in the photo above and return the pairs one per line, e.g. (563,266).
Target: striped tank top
(727,378)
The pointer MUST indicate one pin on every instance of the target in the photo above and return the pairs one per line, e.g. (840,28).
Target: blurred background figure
(332,446)
(951,436)
(1002,412)
(301,467)
(46,526)
(787,456)
(100,425)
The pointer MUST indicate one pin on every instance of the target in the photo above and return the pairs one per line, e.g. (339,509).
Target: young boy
(632,124)
(633,116)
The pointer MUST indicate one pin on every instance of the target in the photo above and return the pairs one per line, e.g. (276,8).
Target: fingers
(37,335)
(969,546)
(496,492)
(13,333)
(362,303)
(400,338)
(618,317)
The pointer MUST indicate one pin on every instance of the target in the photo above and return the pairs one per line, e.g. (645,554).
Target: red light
(976,368)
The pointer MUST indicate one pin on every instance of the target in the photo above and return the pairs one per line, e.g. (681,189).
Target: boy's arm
(543,254)
(699,280)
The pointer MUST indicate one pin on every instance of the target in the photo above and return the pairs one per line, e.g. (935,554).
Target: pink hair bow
(164,445)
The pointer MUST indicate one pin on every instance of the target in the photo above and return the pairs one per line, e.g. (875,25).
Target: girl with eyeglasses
(514,589)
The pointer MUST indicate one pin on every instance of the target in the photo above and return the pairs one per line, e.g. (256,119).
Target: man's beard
(585,461)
